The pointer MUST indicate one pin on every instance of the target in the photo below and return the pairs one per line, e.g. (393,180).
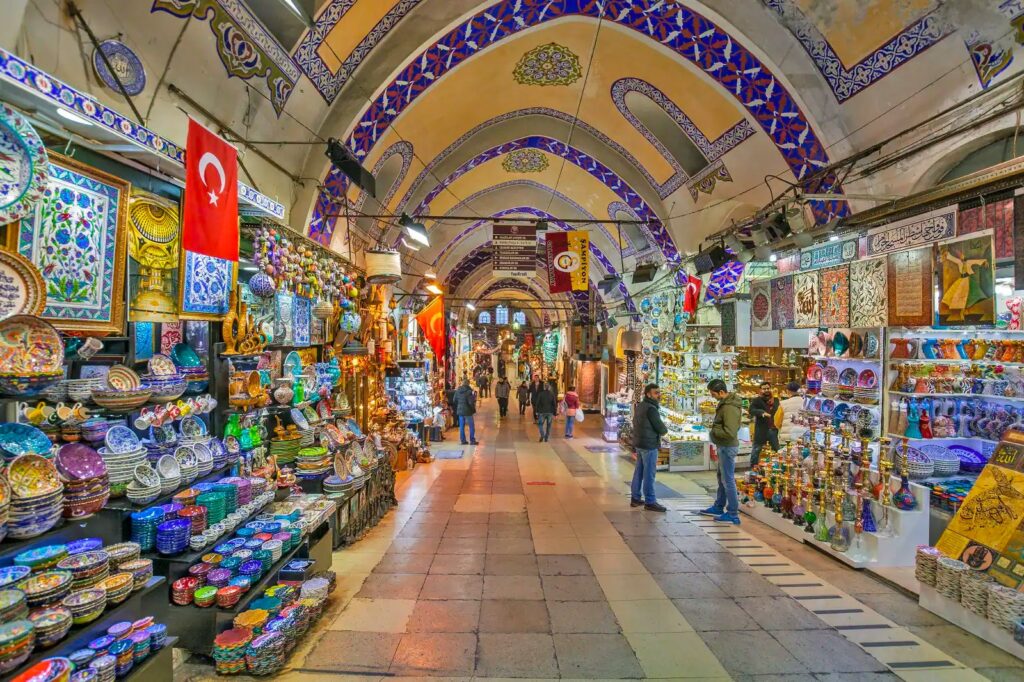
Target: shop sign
(515,250)
(920,230)
(828,254)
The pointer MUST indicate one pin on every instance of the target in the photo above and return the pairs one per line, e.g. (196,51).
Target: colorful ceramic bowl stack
(196,516)
(141,571)
(41,558)
(105,666)
(33,355)
(22,439)
(52,624)
(13,605)
(86,485)
(169,470)
(172,536)
(164,389)
(215,503)
(118,587)
(265,654)
(229,650)
(204,458)
(122,553)
(12,574)
(313,462)
(188,464)
(37,497)
(17,639)
(86,605)
(144,525)
(231,488)
(124,652)
(48,670)
(144,487)
(87,569)
(95,429)
(123,453)
(46,588)
(183,590)
(205,596)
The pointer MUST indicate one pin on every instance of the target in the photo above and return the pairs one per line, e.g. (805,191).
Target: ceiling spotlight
(745,256)
(542,226)
(833,238)
(612,322)
(414,230)
(733,243)
(803,239)
(71,116)
(430,274)
(409,245)
(471,306)
(434,289)
(772,258)
(760,236)
(778,226)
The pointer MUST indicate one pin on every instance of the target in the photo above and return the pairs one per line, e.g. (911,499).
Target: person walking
(762,413)
(790,431)
(572,404)
(535,387)
(725,436)
(502,391)
(482,383)
(465,408)
(544,406)
(523,396)
(648,429)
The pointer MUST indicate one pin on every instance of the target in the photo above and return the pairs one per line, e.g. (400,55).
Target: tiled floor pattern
(523,560)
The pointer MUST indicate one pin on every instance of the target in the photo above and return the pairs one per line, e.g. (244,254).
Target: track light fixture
(414,230)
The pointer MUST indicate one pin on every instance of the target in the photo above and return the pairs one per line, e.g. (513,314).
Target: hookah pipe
(865,519)
(798,509)
(904,498)
(786,503)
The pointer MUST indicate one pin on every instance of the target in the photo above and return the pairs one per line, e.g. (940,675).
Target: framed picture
(967,287)
(99,365)
(204,286)
(197,335)
(76,236)
(302,316)
(910,280)
(284,320)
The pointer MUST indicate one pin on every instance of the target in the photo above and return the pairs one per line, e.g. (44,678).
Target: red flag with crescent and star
(210,220)
(431,321)
(692,296)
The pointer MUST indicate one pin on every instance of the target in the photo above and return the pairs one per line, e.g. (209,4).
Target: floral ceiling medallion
(525,161)
(550,64)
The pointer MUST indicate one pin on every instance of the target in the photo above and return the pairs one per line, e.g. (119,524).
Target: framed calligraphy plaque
(917,231)
(910,288)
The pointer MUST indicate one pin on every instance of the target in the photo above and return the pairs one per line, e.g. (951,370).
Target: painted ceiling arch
(682,29)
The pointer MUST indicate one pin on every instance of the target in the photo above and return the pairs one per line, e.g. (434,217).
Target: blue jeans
(570,423)
(462,428)
(643,474)
(544,424)
(727,480)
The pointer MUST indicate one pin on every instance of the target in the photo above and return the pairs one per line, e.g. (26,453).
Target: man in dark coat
(544,408)
(648,429)
(502,390)
(535,386)
(762,412)
(465,408)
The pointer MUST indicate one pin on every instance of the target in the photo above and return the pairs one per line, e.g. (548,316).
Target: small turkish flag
(692,295)
(210,224)
(431,321)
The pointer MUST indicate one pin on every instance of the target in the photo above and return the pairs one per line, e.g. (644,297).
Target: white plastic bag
(579,414)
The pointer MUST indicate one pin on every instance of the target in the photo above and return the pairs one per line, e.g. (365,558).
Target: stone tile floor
(524,560)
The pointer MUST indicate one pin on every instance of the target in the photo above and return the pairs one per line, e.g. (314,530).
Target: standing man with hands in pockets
(648,428)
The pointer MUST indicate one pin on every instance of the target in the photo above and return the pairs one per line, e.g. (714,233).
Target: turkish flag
(692,296)
(210,224)
(431,321)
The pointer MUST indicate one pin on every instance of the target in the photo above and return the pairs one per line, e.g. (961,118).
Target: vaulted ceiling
(684,115)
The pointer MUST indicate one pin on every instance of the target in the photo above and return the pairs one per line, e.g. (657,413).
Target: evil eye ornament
(645,305)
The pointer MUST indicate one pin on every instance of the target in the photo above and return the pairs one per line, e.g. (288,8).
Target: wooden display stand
(910,529)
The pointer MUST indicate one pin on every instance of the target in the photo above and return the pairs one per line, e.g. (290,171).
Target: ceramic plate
(161,366)
(121,378)
(29,345)
(32,476)
(27,168)
(292,364)
(193,427)
(24,289)
(299,419)
(21,439)
(130,72)
(120,439)
(871,344)
(79,462)
(828,406)
(814,373)
(867,379)
(848,377)
(831,375)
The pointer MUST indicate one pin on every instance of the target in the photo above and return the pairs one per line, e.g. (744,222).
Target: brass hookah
(838,535)
(821,530)
(798,509)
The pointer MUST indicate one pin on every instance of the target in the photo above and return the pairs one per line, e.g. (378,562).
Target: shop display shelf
(965,619)
(984,396)
(144,602)
(832,358)
(952,361)
(744,365)
(65,531)
(896,438)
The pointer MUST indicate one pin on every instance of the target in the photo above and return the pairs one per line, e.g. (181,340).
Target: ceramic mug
(64,412)
(37,414)
(90,347)
(81,413)
(184,408)
(145,419)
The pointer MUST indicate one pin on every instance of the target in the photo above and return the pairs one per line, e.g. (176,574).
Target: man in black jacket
(465,408)
(648,428)
(535,386)
(544,408)
(762,412)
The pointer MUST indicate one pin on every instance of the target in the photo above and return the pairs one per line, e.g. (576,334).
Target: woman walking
(572,403)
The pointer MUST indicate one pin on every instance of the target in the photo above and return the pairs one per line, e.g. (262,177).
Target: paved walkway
(523,559)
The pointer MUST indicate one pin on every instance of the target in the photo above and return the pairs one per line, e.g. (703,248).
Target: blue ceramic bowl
(22,439)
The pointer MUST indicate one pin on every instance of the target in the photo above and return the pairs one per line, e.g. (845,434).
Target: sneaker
(633,502)
(655,507)
(711,511)
(473,442)
(734,519)
(463,443)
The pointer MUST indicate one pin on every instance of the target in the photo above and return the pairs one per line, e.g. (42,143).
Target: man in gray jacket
(502,390)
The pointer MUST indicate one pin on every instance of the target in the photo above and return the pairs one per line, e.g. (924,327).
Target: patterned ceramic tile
(550,64)
(525,161)
(144,339)
(75,236)
(691,35)
(206,284)
(302,317)
(834,290)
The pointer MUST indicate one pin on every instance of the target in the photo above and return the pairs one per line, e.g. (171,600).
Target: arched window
(997,151)
(519,317)
(484,317)
(501,315)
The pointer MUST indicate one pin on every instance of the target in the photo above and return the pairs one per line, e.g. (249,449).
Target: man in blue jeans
(465,408)
(648,428)
(724,435)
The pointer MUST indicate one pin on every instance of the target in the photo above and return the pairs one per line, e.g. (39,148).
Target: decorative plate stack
(118,586)
(86,484)
(1005,606)
(947,578)
(141,571)
(122,553)
(13,605)
(46,588)
(265,654)
(33,355)
(945,462)
(188,364)
(919,465)
(124,391)
(172,536)
(974,591)
(86,605)
(88,569)
(145,485)
(163,380)
(229,650)
(204,458)
(188,464)
(122,454)
(37,497)
(169,471)
(927,564)
(80,390)
(51,623)
(312,462)
(16,641)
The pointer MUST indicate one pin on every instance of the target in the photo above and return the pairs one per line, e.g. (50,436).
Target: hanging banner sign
(515,250)
(568,258)
(920,230)
(828,254)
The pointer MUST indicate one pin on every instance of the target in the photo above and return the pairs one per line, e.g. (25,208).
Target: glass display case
(410,390)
